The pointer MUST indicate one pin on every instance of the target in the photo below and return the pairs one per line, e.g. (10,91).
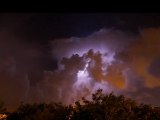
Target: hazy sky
(61,57)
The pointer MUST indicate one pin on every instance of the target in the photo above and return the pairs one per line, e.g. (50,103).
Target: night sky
(61,57)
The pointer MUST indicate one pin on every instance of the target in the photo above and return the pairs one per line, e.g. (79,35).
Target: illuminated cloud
(97,53)
(128,64)
(110,59)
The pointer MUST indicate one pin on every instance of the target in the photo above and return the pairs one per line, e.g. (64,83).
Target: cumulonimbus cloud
(109,59)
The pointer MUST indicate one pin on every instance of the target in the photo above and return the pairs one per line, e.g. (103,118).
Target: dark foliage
(101,107)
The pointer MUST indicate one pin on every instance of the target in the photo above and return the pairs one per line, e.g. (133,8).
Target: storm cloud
(111,59)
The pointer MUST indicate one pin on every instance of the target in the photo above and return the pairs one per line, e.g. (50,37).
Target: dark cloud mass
(68,66)
(154,68)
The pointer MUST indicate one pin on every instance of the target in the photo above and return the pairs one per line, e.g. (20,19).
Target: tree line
(101,107)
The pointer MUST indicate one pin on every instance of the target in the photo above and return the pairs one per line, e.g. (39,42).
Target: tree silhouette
(101,107)
(42,111)
(112,107)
